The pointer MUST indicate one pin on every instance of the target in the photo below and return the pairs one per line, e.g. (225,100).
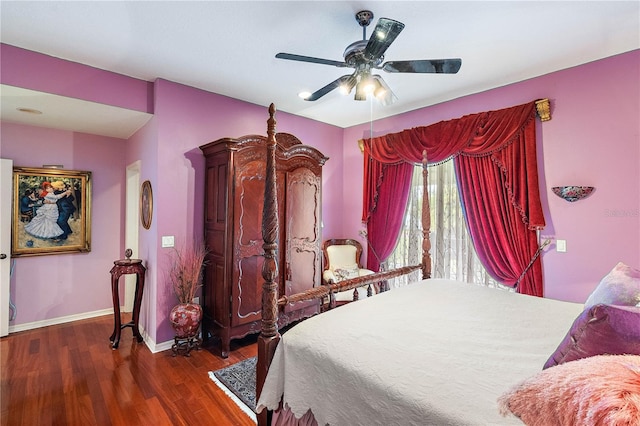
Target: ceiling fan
(366,55)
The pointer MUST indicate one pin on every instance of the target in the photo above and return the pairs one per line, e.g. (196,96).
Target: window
(452,252)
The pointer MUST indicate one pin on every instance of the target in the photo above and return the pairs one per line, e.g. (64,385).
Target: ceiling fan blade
(383,35)
(313,60)
(329,87)
(437,66)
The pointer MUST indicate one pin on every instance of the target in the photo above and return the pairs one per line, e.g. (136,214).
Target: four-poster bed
(434,352)
(269,336)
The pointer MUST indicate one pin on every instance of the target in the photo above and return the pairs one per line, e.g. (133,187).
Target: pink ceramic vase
(185,319)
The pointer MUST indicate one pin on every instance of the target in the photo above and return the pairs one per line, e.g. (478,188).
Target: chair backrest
(341,253)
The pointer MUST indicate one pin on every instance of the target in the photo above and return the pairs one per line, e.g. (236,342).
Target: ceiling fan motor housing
(354,55)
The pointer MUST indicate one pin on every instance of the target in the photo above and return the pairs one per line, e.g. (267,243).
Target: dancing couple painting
(51,211)
(51,219)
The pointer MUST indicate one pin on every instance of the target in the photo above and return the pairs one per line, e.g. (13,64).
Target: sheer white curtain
(452,252)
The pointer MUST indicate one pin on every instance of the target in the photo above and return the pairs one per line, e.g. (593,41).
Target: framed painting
(51,211)
(146,204)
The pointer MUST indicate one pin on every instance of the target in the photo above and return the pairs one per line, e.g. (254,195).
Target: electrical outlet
(561,246)
(167,241)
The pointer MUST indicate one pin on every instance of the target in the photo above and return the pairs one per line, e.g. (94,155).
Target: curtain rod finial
(543,107)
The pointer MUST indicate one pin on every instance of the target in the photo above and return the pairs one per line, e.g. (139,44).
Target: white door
(6,179)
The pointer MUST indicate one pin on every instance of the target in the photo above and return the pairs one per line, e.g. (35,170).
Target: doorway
(6,179)
(132,221)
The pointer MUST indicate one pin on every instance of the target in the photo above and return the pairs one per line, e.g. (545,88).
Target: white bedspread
(437,352)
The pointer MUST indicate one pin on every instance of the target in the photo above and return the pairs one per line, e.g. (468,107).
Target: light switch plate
(561,246)
(167,241)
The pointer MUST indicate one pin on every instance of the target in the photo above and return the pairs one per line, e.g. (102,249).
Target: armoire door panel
(216,191)
(302,232)
(248,216)
(248,251)
(303,197)
(211,184)
(246,291)
(220,194)
(215,241)
(248,213)
(302,267)
(219,303)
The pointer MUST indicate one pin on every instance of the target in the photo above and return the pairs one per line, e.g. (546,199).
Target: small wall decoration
(146,204)
(572,193)
(51,211)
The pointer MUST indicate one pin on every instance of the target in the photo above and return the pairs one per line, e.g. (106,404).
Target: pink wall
(142,148)
(594,129)
(22,68)
(593,139)
(46,287)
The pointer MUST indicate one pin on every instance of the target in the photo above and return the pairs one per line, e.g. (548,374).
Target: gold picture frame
(51,211)
(146,204)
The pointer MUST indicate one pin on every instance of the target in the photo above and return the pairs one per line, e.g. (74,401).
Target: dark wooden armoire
(234,193)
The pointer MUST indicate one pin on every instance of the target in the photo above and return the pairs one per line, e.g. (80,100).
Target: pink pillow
(599,330)
(601,390)
(621,286)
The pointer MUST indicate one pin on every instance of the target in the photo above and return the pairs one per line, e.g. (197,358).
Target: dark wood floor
(68,375)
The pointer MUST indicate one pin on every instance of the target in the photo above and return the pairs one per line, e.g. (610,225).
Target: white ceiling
(228,47)
(60,112)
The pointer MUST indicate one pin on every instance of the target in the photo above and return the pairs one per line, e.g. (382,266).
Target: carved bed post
(426,220)
(269,336)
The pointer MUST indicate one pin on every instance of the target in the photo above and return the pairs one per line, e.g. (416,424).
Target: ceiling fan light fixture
(387,99)
(361,94)
(383,92)
(367,82)
(369,87)
(347,85)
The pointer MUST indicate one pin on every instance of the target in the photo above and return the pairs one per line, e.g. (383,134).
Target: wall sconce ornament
(572,193)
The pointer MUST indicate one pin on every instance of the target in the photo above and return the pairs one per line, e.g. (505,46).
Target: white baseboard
(151,344)
(159,347)
(59,320)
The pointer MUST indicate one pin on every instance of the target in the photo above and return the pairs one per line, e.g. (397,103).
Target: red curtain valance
(478,135)
(509,178)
